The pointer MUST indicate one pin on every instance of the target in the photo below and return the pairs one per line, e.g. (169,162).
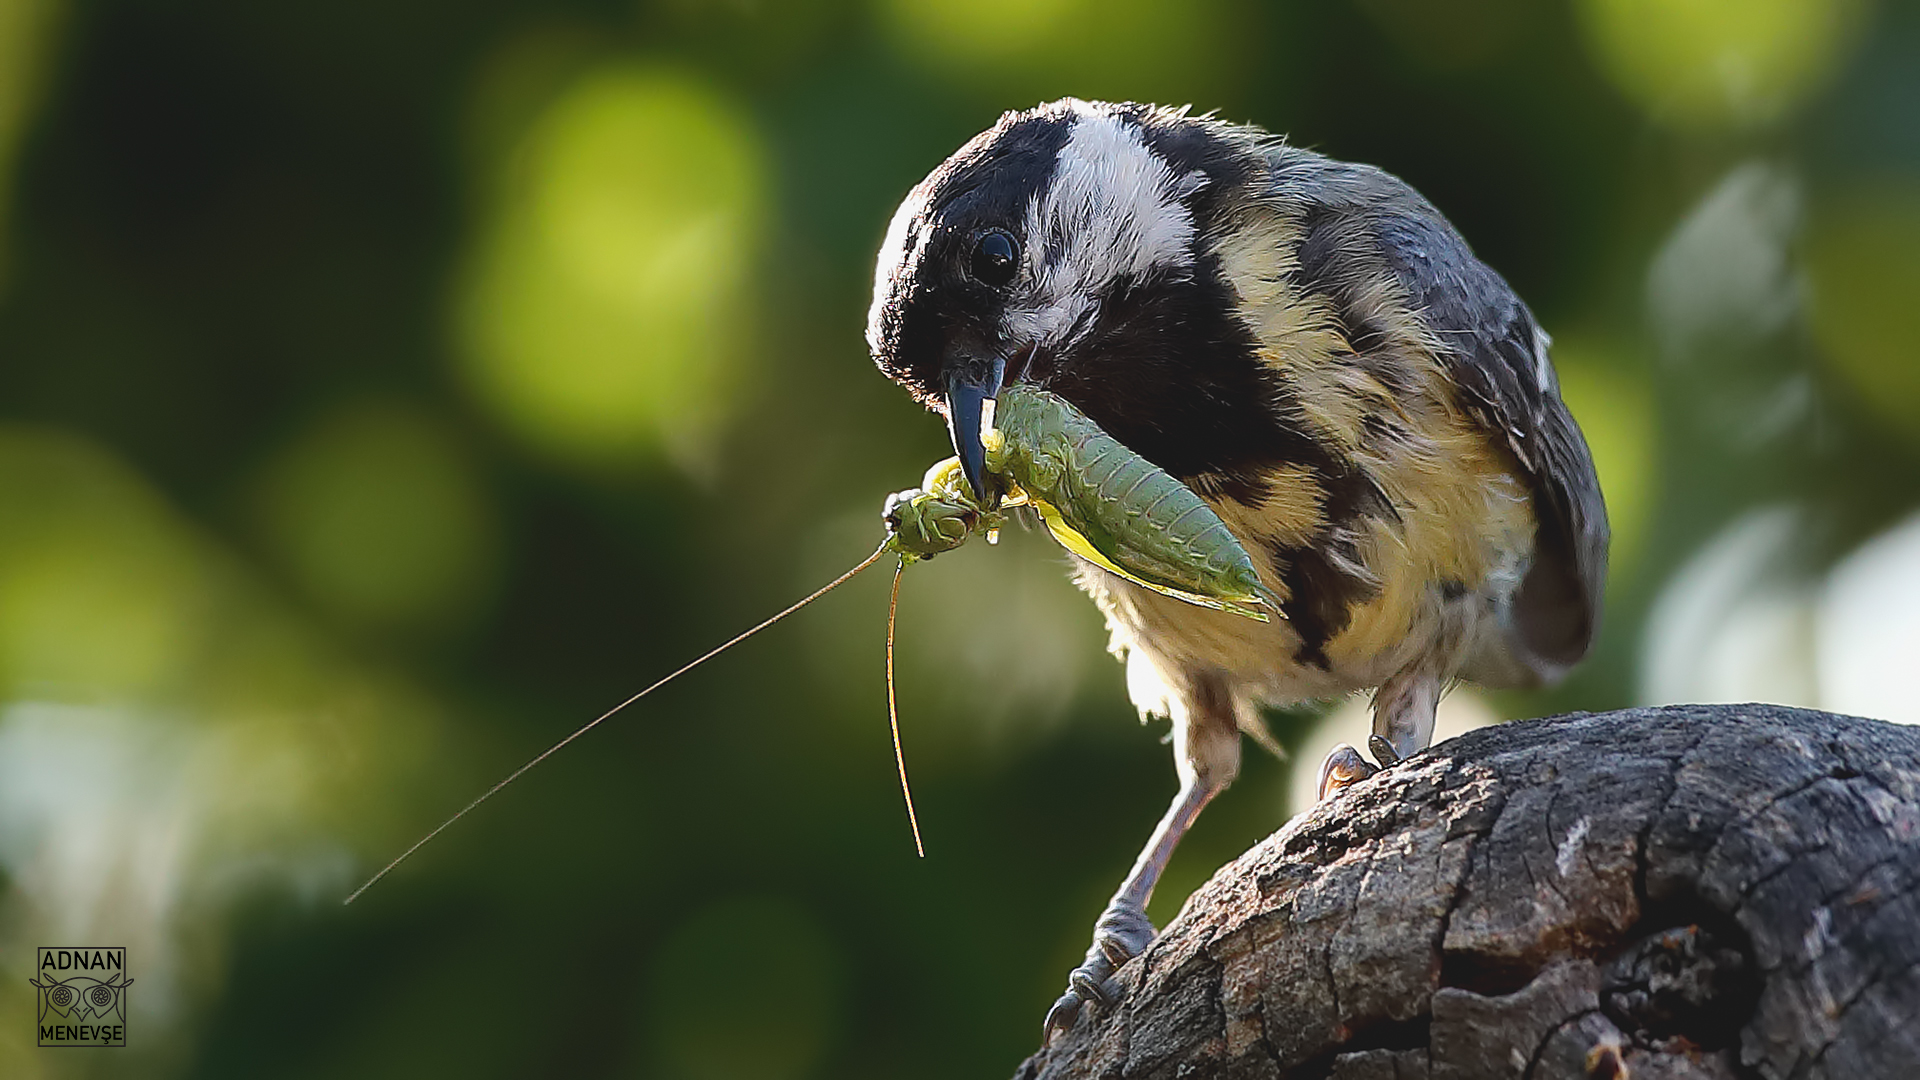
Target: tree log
(1696,891)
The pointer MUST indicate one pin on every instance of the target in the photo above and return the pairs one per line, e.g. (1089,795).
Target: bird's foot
(1345,767)
(1383,751)
(1122,933)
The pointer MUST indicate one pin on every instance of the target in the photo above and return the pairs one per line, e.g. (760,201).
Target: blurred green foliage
(1707,64)
(608,311)
(376,513)
(386,389)
(1863,257)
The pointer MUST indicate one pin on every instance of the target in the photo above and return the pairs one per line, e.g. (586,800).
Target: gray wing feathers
(1498,357)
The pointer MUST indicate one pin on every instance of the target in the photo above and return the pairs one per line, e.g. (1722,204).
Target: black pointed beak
(969,387)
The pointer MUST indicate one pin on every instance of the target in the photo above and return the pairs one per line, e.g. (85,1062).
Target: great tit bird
(1312,348)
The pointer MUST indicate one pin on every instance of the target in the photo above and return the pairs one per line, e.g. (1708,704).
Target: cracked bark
(1727,891)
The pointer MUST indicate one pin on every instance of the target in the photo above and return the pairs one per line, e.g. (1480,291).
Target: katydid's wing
(1076,542)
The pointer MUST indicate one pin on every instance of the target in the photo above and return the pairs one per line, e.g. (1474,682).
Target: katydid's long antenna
(893,713)
(551,750)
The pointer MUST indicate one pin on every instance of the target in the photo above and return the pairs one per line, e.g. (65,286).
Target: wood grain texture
(1688,892)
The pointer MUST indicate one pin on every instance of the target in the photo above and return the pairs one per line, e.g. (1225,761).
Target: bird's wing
(1497,356)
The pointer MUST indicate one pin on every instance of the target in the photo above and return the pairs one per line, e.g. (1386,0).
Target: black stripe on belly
(1326,577)
(1319,602)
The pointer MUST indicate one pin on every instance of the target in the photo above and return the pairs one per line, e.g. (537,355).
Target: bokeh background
(388,387)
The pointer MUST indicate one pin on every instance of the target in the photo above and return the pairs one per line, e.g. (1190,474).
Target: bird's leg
(1403,713)
(1207,755)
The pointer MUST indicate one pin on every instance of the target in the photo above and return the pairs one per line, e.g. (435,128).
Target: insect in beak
(972,387)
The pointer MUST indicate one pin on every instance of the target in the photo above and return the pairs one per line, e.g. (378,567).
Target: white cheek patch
(1113,210)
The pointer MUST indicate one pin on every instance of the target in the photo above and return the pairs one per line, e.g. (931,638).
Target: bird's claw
(1342,769)
(1061,1017)
(1122,933)
(1383,751)
(1088,982)
(1345,767)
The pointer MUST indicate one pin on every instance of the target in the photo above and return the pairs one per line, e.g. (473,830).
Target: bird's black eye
(994,257)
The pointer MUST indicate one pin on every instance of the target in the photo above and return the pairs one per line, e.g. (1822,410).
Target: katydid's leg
(1403,714)
(1207,755)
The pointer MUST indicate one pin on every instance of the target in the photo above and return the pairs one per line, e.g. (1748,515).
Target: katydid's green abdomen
(1139,520)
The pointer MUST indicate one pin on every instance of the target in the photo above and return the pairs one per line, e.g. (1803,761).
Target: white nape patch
(1570,847)
(1114,209)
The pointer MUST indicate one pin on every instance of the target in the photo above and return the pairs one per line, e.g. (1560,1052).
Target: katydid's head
(1066,246)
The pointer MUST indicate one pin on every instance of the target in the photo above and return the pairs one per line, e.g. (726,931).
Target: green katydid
(1099,500)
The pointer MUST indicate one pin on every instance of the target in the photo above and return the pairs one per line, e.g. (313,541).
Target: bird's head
(1066,247)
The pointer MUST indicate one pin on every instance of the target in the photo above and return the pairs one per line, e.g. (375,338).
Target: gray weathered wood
(1688,892)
